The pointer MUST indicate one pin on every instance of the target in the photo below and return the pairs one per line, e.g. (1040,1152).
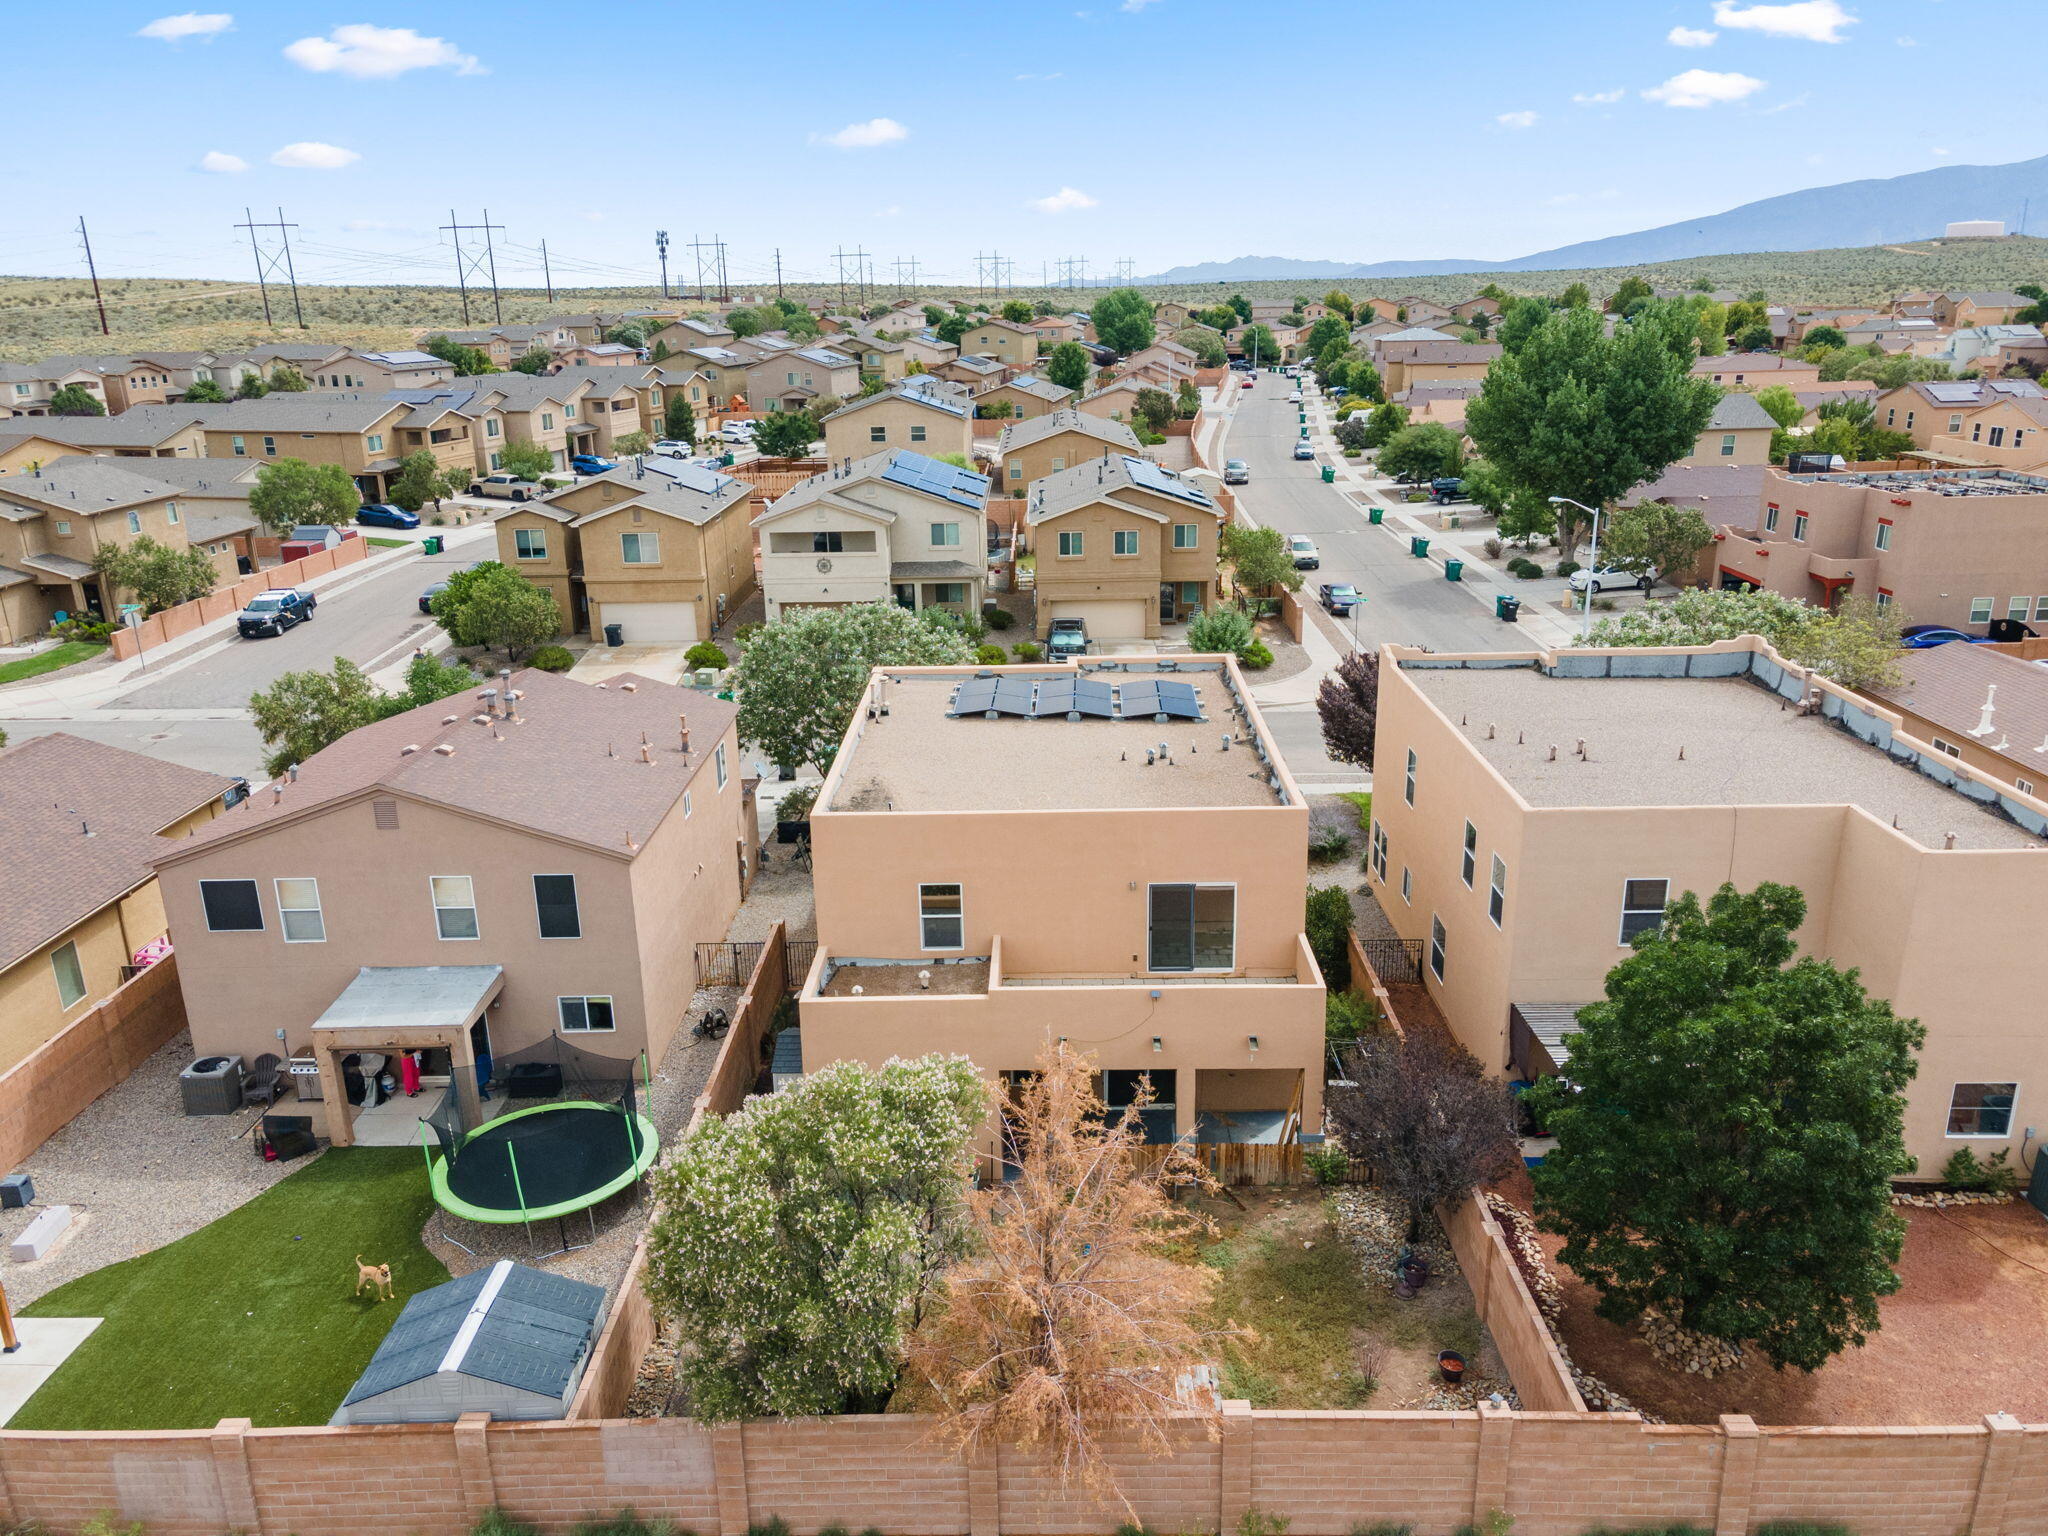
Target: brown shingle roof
(1949,684)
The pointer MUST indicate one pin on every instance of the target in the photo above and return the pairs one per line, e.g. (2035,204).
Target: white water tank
(1976,229)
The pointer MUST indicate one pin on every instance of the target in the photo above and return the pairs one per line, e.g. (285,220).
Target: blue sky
(1162,131)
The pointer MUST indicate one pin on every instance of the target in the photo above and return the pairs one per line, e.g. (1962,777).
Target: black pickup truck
(275,611)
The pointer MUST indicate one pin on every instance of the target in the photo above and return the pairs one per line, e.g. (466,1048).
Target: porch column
(462,1058)
(334,1097)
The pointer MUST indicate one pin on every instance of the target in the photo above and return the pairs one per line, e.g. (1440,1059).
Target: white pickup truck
(508,486)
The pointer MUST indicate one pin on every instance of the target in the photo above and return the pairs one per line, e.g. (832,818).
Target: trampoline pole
(519,1192)
(647,1081)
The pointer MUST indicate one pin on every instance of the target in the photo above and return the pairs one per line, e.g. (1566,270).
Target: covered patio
(395,1008)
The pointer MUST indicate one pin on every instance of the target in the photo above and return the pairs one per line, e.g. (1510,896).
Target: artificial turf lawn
(55,659)
(250,1317)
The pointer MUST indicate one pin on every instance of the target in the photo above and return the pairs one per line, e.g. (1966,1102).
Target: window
(945,535)
(1948,747)
(1976,431)
(640,548)
(568,412)
(1408,785)
(2016,607)
(1642,907)
(1980,610)
(376,442)
(1192,927)
(547,421)
(70,977)
(950,592)
(1798,527)
(1470,861)
(2041,607)
(941,917)
(1884,597)
(530,543)
(1909,419)
(718,763)
(1997,439)
(1436,946)
(828,543)
(270,446)
(917,434)
(1727,445)
(554,903)
(135,522)
(1407,886)
(878,434)
(1884,533)
(585,1015)
(2024,786)
(686,805)
(63,527)
(171,513)
(1059,462)
(231,906)
(1891,416)
(298,911)
(241,448)
(1955,423)
(1981,1109)
(454,906)
(1770,517)
(497,461)
(1071,545)
(1379,852)
(1016,470)
(1187,536)
(1497,890)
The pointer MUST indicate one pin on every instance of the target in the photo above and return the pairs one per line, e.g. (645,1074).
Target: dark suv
(275,611)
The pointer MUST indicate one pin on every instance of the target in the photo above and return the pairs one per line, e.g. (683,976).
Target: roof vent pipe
(490,701)
(445,750)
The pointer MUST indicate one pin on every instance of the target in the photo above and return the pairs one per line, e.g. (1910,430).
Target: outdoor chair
(266,1081)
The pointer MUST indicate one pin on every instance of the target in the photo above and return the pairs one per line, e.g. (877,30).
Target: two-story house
(1027,396)
(1004,340)
(1757,370)
(894,526)
(1124,545)
(357,431)
(789,380)
(146,432)
(26,388)
(1943,408)
(1739,432)
(1029,450)
(923,414)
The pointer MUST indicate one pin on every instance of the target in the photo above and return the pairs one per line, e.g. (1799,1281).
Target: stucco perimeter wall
(1556,1474)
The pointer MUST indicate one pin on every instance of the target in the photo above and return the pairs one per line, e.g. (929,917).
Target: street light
(1592,559)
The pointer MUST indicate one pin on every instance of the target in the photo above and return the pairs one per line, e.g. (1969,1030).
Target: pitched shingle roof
(84,483)
(145,426)
(1094,480)
(1040,389)
(1022,434)
(1737,411)
(1949,684)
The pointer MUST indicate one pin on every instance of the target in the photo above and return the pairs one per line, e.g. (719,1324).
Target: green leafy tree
(1519,320)
(159,575)
(786,434)
(428,679)
(1259,561)
(1727,1140)
(1333,361)
(1205,343)
(1069,365)
(470,362)
(627,333)
(801,1240)
(1018,312)
(1340,301)
(252,387)
(744,322)
(661,353)
(1362,379)
(1754,338)
(1221,632)
(934,315)
(533,360)
(1744,313)
(1576,296)
(1782,405)
(1580,414)
(1711,327)
(1628,292)
(418,482)
(1325,331)
(303,712)
(801,676)
(995,410)
(1240,306)
(1220,317)
(1123,320)
(678,420)
(1857,644)
(1385,421)
(1421,452)
(289,492)
(528,460)
(492,605)
(205,392)
(953,328)
(630,443)
(1654,537)
(1258,343)
(76,400)
(287,380)
(1824,337)
(1350,434)
(1153,407)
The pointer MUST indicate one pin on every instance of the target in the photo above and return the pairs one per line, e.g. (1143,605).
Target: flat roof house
(1535,813)
(1003,858)
(1123,545)
(562,846)
(81,822)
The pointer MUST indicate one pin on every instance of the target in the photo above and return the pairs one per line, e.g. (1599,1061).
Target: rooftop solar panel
(1150,698)
(919,473)
(1070,696)
(975,697)
(1149,476)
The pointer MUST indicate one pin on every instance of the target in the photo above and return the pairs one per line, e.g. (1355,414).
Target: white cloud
(1907,42)
(1517,119)
(1816,21)
(1063,200)
(1792,105)
(222,162)
(1690,37)
(175,29)
(871,134)
(314,156)
(1134,6)
(1058,74)
(1703,88)
(378,53)
(1942,152)
(1566,199)
(1599,98)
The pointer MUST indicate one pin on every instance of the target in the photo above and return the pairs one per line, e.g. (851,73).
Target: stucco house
(1124,545)
(1029,450)
(1739,432)
(1027,395)
(923,414)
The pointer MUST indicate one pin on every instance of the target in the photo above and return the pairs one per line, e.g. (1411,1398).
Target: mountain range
(1850,213)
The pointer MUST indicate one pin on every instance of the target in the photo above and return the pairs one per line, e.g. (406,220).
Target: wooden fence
(160,628)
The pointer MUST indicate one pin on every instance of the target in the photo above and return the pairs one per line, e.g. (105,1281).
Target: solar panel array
(1151,477)
(1071,698)
(937,479)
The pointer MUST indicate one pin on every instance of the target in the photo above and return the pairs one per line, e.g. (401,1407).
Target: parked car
(504,484)
(1068,637)
(380,514)
(1236,472)
(672,448)
(1294,397)
(275,611)
(1240,365)
(1925,637)
(1304,449)
(1338,597)
(1603,577)
(1249,381)
(1447,488)
(739,433)
(427,597)
(1303,549)
(591,464)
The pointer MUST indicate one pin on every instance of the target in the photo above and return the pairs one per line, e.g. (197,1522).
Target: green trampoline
(548,1161)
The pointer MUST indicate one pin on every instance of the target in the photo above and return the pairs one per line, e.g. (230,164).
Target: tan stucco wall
(1063,450)
(852,437)
(1097,573)
(1752,446)
(30,1009)
(1017,348)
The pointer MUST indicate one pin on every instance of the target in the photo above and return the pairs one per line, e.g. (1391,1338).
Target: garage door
(653,623)
(1107,618)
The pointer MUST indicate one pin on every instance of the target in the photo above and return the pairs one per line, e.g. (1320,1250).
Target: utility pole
(661,249)
(778,272)
(724,285)
(468,264)
(839,260)
(548,272)
(268,261)
(86,241)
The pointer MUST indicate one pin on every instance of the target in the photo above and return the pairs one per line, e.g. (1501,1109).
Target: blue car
(1925,637)
(382,515)
(591,464)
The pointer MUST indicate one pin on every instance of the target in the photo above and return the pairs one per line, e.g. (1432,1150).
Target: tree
(492,605)
(627,333)
(1332,361)
(1519,320)
(533,360)
(1386,420)
(995,410)
(467,361)
(1630,290)
(1069,365)
(1018,312)
(1424,1113)
(1824,336)
(633,442)
(252,387)
(1710,323)
(1361,378)
(303,712)
(1220,317)
(1153,407)
(1340,301)
(1259,560)
(953,328)
(1205,343)
(1221,632)
(1258,343)
(76,400)
(418,482)
(678,420)
(1782,405)
(934,315)
(1754,338)
(661,353)
(1856,645)
(1240,306)
(289,492)
(287,380)
(1123,320)
(1749,1202)
(1348,704)
(801,676)
(744,322)
(1350,433)
(1068,1326)
(786,434)
(1422,452)
(1575,297)
(1326,330)
(528,460)
(1651,536)
(1187,401)
(205,392)
(1580,414)
(427,680)
(159,575)
(800,1240)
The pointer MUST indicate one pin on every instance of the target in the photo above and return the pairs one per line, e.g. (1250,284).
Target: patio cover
(404,1007)
(1537,1036)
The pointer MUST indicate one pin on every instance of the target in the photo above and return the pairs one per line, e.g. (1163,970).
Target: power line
(268,261)
(859,259)
(86,240)
(468,264)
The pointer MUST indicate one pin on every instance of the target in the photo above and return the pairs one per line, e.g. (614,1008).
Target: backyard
(252,1315)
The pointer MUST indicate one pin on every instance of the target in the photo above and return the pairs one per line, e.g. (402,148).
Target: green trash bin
(1329,474)
(1376,515)
(725,459)
(1454,570)
(1418,546)
(431,544)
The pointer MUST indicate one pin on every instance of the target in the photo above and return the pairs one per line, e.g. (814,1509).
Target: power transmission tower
(1124,268)
(269,261)
(86,240)
(469,263)
(983,266)
(548,272)
(661,250)
(1004,268)
(900,263)
(724,284)
(716,264)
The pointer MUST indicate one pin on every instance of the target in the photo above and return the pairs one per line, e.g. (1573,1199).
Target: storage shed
(509,1341)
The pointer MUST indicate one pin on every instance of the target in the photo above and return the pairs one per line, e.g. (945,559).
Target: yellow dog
(377,1277)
